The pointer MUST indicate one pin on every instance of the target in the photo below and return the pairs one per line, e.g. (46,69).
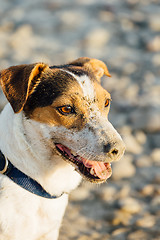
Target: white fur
(86,85)
(23,213)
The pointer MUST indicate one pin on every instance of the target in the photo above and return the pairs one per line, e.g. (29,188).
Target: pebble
(156,202)
(132,145)
(97,38)
(156,155)
(144,161)
(80,195)
(122,218)
(156,60)
(138,235)
(147,221)
(146,118)
(123,192)
(120,233)
(22,41)
(154,44)
(124,168)
(108,193)
(148,190)
(130,205)
(154,23)
(140,137)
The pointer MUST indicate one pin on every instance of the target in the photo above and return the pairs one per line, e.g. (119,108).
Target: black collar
(20,178)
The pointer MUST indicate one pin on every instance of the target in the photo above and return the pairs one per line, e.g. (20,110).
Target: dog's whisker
(81,150)
(33,144)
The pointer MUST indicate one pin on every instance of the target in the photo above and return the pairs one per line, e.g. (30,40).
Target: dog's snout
(108,149)
(114,151)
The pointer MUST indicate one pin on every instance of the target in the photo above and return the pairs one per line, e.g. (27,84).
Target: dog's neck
(23,142)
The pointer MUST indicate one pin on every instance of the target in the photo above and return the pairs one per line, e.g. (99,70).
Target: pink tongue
(102,170)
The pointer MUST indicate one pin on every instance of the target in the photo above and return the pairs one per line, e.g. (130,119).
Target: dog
(54,131)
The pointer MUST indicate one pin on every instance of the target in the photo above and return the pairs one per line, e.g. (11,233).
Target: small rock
(154,23)
(97,38)
(140,137)
(79,195)
(124,192)
(106,16)
(124,168)
(156,60)
(154,45)
(148,190)
(147,221)
(156,155)
(132,145)
(130,205)
(146,118)
(156,202)
(143,161)
(69,18)
(121,217)
(120,232)
(108,193)
(22,41)
(138,235)
(131,92)
(84,238)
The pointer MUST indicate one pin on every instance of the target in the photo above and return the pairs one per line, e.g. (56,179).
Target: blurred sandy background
(126,35)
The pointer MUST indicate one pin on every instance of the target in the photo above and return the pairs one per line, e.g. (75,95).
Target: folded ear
(98,67)
(18,82)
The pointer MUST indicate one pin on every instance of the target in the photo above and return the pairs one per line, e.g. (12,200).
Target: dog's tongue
(102,170)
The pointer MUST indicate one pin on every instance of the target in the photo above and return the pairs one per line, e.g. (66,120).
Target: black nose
(111,150)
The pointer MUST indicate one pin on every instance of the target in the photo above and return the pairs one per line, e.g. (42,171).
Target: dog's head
(73,106)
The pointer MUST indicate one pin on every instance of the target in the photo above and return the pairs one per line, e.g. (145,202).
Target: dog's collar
(20,178)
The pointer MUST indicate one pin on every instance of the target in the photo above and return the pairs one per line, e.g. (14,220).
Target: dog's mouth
(93,171)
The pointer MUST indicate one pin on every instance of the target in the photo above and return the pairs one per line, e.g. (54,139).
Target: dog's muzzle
(114,150)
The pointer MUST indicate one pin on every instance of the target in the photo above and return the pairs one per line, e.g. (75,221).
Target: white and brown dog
(53,131)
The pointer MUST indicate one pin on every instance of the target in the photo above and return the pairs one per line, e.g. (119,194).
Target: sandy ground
(126,35)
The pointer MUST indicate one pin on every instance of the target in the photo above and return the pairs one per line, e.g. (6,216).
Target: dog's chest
(34,217)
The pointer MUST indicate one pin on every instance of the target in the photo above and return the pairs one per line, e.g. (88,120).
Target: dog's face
(74,107)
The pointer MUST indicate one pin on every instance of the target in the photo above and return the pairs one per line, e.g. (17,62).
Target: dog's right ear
(18,82)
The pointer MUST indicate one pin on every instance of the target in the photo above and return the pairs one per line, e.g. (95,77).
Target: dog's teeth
(74,153)
(92,172)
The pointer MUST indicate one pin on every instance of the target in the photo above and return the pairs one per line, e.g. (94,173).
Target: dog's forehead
(91,88)
(63,81)
(85,82)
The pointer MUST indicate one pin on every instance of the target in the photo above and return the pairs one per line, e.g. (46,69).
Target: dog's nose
(114,151)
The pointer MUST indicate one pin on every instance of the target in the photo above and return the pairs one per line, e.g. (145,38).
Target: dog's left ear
(18,82)
(98,67)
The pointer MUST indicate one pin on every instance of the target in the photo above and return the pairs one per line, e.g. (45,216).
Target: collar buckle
(5,166)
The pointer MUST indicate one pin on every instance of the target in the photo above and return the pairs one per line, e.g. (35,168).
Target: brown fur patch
(50,115)
(73,97)
(101,96)
(19,81)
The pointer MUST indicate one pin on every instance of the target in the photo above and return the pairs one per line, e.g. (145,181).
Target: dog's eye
(107,102)
(65,110)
